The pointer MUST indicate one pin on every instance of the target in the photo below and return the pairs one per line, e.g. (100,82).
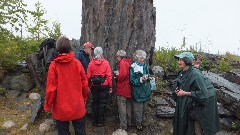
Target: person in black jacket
(83,55)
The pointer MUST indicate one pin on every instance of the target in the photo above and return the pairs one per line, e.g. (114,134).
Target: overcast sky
(215,24)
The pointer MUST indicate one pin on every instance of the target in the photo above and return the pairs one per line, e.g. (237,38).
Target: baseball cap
(188,55)
(88,44)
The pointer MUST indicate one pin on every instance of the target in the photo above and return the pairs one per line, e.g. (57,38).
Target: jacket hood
(62,58)
(128,60)
(97,61)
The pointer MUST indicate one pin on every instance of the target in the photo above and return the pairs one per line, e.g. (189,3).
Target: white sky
(214,23)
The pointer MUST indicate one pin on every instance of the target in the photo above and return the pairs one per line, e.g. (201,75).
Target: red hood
(128,60)
(62,58)
(97,61)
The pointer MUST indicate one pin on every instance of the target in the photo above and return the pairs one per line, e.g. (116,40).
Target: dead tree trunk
(119,24)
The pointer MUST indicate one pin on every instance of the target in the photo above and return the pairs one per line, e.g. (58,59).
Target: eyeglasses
(179,59)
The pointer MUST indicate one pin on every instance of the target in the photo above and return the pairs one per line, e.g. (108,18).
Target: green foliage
(206,64)
(223,65)
(9,55)
(26,46)
(230,56)
(165,58)
(13,13)
(56,30)
(39,28)
(14,50)
(236,125)
(2,91)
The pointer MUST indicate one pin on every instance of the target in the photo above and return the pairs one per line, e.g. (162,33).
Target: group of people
(70,77)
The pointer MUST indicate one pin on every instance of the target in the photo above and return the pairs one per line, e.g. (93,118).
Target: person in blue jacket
(83,55)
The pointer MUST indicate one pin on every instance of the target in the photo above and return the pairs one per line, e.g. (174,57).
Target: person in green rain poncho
(193,89)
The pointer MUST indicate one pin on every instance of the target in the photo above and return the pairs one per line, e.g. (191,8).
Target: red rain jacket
(123,79)
(67,88)
(100,67)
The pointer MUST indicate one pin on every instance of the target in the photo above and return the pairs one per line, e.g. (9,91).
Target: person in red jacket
(123,90)
(66,90)
(100,78)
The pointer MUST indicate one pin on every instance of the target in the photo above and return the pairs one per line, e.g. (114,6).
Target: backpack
(97,79)
(47,51)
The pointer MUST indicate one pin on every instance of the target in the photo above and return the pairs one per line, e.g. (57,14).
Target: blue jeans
(79,127)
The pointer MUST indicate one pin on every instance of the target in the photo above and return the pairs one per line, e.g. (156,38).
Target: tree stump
(119,24)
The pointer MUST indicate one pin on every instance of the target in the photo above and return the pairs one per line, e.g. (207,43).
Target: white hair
(121,53)
(140,54)
(98,52)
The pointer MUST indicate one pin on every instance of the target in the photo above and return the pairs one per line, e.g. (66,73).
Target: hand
(144,78)
(181,93)
(110,90)
(116,72)
(152,78)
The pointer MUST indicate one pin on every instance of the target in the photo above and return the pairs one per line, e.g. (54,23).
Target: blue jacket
(83,58)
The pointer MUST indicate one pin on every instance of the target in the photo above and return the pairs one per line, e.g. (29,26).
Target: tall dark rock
(119,24)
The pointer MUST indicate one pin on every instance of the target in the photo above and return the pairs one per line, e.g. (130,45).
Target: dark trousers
(100,98)
(79,127)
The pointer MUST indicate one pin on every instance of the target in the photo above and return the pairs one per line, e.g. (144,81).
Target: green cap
(188,55)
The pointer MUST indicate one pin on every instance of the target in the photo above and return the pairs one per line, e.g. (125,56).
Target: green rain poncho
(202,91)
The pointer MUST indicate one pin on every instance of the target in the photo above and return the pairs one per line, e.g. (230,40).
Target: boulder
(158,71)
(228,93)
(22,82)
(232,76)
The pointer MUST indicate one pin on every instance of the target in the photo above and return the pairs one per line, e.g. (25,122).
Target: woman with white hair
(123,90)
(139,78)
(100,78)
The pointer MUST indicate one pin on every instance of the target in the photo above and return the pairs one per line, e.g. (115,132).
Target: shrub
(223,65)
(15,50)
(165,58)
(9,55)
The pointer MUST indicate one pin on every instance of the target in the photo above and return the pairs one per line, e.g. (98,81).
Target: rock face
(228,93)
(119,24)
(232,76)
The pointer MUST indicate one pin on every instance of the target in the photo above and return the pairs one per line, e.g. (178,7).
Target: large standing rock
(228,93)
(119,24)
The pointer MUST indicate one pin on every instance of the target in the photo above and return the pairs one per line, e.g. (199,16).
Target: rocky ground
(18,112)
